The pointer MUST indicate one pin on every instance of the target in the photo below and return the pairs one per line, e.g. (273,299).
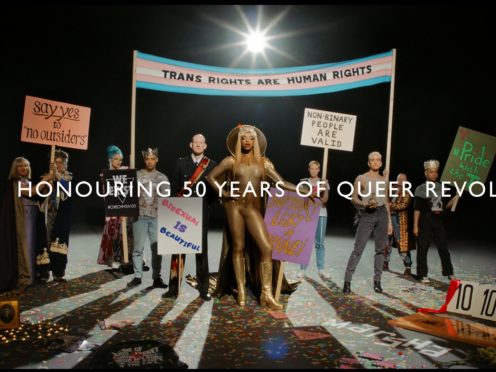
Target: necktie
(196,163)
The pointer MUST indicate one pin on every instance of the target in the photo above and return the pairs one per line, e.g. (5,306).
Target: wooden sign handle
(52,156)
(124,239)
(279,280)
(455,203)
(179,275)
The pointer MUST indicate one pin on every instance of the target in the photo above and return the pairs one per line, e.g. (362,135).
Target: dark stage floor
(317,329)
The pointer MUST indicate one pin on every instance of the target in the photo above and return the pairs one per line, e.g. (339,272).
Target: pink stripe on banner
(380,67)
(252,87)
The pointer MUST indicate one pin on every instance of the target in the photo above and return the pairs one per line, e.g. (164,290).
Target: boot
(267,300)
(347,287)
(239,273)
(377,287)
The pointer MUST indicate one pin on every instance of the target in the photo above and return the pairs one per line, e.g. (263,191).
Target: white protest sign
(328,129)
(179,225)
(463,300)
(474,299)
(485,302)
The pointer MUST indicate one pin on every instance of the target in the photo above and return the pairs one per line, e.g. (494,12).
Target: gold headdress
(232,138)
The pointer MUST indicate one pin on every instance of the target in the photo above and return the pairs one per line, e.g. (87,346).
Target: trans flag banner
(163,74)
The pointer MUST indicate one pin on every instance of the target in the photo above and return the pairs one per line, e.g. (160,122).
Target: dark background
(83,55)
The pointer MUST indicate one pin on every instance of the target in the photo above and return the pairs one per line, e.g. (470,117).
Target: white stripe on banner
(157,73)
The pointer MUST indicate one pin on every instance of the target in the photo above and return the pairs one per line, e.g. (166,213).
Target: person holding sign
(58,208)
(111,249)
(375,216)
(21,228)
(400,238)
(314,170)
(428,225)
(146,225)
(245,170)
(189,181)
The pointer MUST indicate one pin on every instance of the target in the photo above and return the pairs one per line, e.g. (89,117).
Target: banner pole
(390,117)
(324,163)
(52,156)
(125,249)
(133,113)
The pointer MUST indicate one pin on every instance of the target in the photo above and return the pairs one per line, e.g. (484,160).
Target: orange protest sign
(55,123)
(453,329)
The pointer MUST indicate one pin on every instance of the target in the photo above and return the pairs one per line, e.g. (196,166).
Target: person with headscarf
(57,208)
(111,249)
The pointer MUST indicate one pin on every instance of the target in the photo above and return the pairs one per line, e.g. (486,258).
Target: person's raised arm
(271,173)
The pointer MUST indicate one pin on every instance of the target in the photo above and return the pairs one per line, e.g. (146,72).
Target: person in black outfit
(428,225)
(190,171)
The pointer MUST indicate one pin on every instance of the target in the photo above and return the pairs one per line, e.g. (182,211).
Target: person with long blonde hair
(246,168)
(21,228)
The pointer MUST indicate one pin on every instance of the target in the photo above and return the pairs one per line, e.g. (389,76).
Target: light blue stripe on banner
(263,93)
(283,70)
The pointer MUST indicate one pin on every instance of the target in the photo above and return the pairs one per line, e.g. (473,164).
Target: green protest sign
(470,158)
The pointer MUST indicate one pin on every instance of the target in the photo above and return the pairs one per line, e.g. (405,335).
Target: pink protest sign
(55,123)
(291,221)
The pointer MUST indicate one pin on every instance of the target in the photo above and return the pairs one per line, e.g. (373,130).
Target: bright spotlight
(256,42)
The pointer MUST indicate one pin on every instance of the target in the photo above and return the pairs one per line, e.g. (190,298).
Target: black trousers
(431,229)
(202,272)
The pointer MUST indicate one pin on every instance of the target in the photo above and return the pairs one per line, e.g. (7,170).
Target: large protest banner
(179,225)
(122,187)
(169,75)
(291,221)
(55,123)
(470,159)
(165,74)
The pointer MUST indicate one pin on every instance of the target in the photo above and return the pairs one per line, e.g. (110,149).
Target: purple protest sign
(291,221)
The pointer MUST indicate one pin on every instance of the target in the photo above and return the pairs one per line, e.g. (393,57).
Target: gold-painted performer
(245,170)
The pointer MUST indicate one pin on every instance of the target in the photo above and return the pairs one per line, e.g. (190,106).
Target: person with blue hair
(111,250)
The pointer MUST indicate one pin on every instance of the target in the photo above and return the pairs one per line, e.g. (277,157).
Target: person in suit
(188,180)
